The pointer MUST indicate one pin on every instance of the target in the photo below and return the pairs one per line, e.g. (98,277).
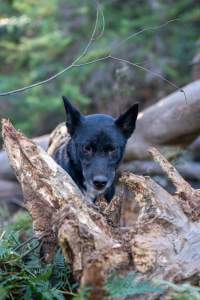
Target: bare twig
(153,28)
(92,38)
(38,238)
(134,65)
(149,71)
(85,51)
(40,242)
(103,21)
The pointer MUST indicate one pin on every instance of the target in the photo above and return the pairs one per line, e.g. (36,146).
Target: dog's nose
(100,181)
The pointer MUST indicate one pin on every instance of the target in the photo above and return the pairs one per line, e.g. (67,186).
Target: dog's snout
(100,181)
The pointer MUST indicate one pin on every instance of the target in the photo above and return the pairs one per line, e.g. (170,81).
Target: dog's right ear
(73,116)
(126,122)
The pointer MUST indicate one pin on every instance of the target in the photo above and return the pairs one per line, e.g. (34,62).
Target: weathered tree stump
(163,241)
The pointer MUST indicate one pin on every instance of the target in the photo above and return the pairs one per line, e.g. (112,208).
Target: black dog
(95,150)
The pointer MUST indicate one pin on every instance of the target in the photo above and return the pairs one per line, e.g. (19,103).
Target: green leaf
(130,285)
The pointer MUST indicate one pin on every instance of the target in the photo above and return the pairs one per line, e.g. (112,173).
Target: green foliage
(183,291)
(83,294)
(22,273)
(133,284)
(130,285)
(24,276)
(39,39)
(35,41)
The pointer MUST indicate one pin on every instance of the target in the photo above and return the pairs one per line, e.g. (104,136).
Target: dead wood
(166,241)
(60,213)
(6,172)
(194,149)
(188,169)
(188,197)
(170,122)
(163,242)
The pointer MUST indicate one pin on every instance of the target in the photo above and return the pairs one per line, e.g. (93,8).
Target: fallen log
(188,169)
(194,149)
(172,121)
(164,242)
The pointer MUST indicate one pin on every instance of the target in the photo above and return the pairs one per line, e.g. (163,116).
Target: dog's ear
(126,122)
(73,116)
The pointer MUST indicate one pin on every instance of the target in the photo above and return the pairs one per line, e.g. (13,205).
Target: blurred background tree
(38,39)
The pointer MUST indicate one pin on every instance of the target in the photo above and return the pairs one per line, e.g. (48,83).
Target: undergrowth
(24,276)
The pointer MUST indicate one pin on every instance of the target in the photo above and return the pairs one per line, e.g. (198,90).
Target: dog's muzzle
(100,182)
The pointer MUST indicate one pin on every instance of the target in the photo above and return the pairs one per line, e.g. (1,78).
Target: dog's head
(97,144)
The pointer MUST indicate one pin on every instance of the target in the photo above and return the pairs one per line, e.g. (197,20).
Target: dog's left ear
(126,122)
(73,116)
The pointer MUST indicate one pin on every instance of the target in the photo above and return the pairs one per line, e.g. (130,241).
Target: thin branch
(40,242)
(116,46)
(153,28)
(103,21)
(92,61)
(92,38)
(147,70)
(134,65)
(38,238)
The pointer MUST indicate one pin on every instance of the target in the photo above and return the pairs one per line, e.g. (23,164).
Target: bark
(164,241)
(60,213)
(6,172)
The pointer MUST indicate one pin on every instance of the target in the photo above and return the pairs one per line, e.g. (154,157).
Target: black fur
(95,150)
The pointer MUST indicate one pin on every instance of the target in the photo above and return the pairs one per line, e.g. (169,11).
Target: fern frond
(130,285)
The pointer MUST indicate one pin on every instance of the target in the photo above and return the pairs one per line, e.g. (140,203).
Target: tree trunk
(164,241)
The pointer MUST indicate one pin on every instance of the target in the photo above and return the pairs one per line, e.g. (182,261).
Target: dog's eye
(87,149)
(111,150)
